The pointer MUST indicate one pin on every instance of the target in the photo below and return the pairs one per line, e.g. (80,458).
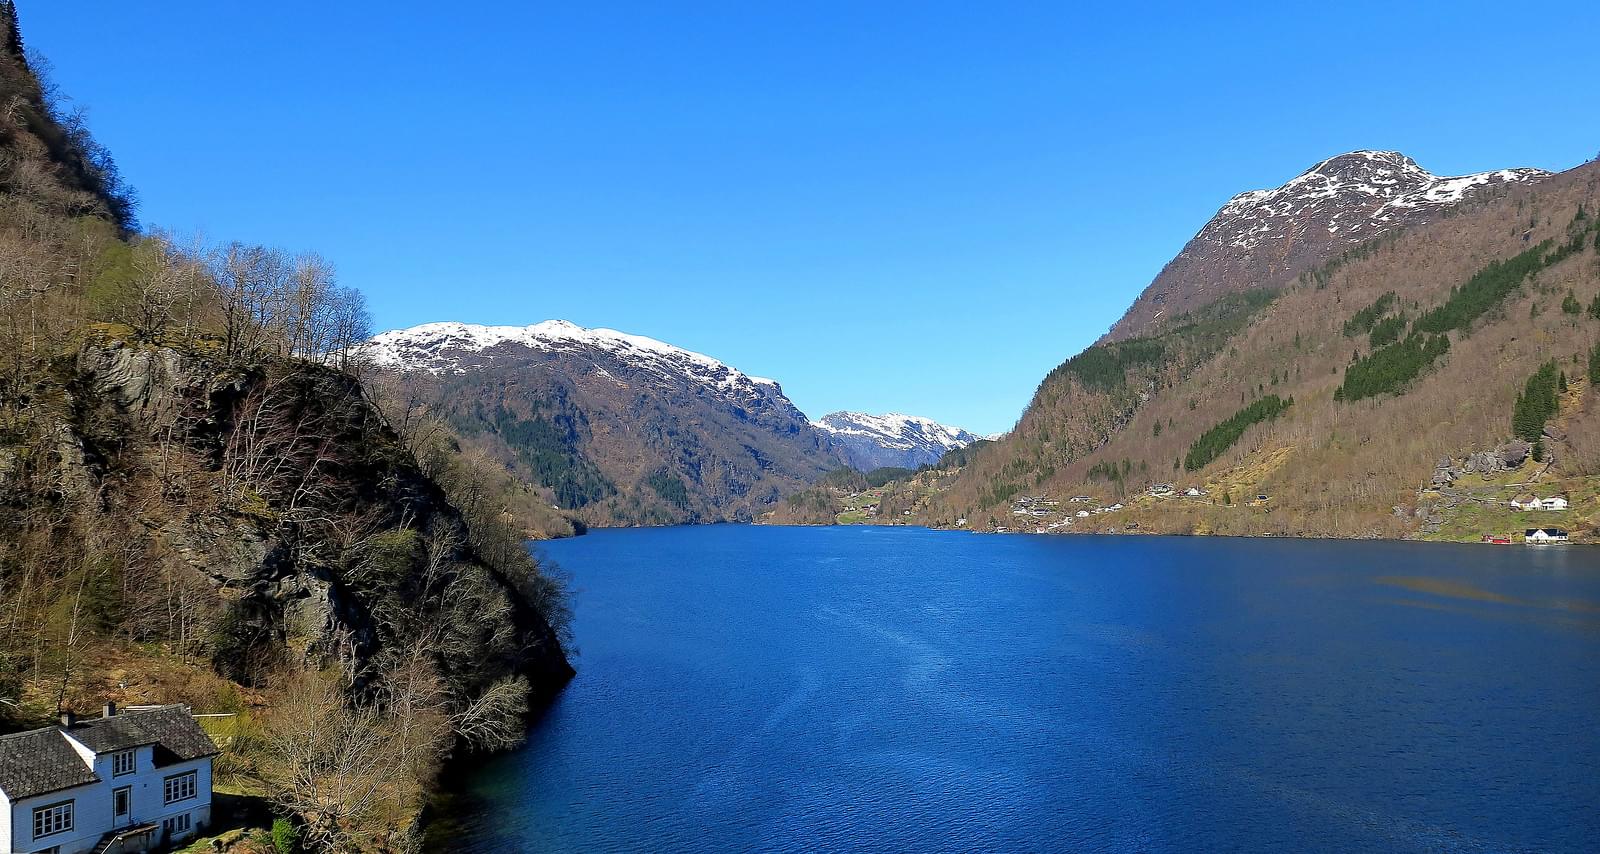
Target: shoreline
(1080,533)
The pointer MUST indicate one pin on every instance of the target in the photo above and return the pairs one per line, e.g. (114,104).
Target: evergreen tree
(1363,320)
(1483,291)
(10,29)
(1390,368)
(1538,403)
(1213,442)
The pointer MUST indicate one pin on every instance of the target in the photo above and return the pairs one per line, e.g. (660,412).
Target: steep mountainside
(195,510)
(620,428)
(870,442)
(1265,238)
(1411,386)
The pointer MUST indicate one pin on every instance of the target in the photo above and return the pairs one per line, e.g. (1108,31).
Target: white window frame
(186,785)
(126,792)
(52,819)
(124,762)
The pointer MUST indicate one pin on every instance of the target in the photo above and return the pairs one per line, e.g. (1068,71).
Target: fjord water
(875,689)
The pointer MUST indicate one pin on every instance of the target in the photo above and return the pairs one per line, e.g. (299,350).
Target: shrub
(285,836)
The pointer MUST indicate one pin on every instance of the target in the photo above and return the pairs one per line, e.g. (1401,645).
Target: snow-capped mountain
(1264,238)
(905,441)
(621,428)
(461,347)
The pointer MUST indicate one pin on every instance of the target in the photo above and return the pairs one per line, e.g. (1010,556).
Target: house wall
(91,818)
(5,822)
(92,804)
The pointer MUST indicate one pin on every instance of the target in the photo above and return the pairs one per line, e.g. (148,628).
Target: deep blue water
(878,689)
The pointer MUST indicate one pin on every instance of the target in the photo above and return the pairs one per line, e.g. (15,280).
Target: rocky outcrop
(1507,457)
(277,488)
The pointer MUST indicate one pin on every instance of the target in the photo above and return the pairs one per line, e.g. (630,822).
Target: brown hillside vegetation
(200,504)
(1336,468)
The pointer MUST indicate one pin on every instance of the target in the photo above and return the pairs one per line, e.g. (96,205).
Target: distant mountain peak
(619,428)
(892,439)
(453,347)
(1262,238)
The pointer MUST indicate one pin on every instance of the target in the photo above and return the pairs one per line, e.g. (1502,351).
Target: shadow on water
(459,801)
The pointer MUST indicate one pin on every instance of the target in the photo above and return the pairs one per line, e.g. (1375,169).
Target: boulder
(1514,454)
(1484,462)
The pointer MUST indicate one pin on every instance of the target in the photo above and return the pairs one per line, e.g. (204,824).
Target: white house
(1532,502)
(115,784)
(1541,536)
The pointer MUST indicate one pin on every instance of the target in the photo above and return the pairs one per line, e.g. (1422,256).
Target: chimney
(109,710)
(68,719)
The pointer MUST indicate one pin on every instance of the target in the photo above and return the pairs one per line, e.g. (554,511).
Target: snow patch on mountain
(1383,185)
(1264,238)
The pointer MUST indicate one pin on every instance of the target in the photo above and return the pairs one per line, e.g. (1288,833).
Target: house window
(121,799)
(175,825)
(123,763)
(55,818)
(178,787)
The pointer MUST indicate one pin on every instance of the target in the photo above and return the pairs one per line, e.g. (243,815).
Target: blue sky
(916,207)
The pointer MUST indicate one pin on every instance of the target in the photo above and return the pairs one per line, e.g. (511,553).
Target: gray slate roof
(171,729)
(41,760)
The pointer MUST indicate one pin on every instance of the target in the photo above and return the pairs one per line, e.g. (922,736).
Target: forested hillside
(1415,364)
(200,503)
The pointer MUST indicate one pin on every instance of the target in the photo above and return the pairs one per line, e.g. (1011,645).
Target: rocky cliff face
(1264,238)
(620,428)
(294,527)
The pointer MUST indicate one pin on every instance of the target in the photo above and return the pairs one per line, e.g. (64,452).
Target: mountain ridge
(892,440)
(1357,398)
(1266,237)
(620,429)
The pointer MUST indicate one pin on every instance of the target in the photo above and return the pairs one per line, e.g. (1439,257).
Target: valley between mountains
(1368,350)
(221,487)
